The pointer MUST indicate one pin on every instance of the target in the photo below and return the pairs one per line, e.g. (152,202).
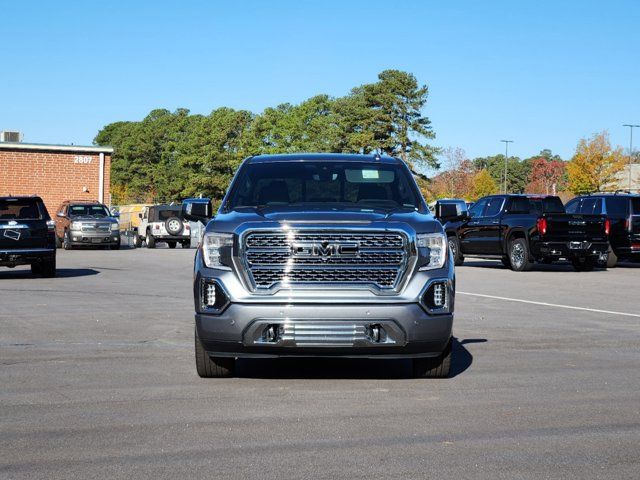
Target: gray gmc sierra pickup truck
(326,255)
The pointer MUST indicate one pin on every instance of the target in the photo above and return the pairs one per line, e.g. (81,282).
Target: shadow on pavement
(60,273)
(537,267)
(462,358)
(346,368)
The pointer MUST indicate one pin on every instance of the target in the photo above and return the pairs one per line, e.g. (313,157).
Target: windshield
(88,210)
(19,209)
(350,184)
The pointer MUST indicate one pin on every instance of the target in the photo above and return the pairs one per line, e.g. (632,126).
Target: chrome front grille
(96,227)
(324,334)
(283,257)
(377,259)
(315,333)
(368,240)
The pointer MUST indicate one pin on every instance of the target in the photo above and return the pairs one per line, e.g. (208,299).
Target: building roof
(55,148)
(621,181)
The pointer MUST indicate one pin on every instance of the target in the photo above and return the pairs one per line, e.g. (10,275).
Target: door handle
(495,222)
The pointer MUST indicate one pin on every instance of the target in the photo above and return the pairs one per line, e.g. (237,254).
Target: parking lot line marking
(545,304)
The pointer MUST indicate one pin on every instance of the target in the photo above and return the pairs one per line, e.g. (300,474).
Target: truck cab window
(478,208)
(572,206)
(494,207)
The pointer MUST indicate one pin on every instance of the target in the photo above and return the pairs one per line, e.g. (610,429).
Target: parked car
(325,255)
(623,212)
(27,235)
(523,229)
(87,224)
(163,223)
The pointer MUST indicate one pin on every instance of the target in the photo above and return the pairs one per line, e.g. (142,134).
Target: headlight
(212,243)
(114,227)
(75,226)
(435,245)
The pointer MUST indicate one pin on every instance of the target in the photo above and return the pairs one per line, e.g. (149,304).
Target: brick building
(55,172)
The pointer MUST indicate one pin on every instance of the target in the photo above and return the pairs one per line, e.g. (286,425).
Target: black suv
(27,235)
(623,212)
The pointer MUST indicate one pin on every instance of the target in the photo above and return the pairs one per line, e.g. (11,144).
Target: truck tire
(519,255)
(45,269)
(151,242)
(211,367)
(505,261)
(115,246)
(454,246)
(171,244)
(137,241)
(48,268)
(186,244)
(58,241)
(612,258)
(66,241)
(437,367)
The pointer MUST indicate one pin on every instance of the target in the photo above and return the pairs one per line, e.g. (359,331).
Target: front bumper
(11,258)
(78,238)
(236,332)
(325,320)
(570,250)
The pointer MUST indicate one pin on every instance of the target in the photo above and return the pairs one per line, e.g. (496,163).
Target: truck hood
(275,217)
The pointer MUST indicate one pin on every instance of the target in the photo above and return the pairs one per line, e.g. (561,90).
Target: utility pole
(631,127)
(506,157)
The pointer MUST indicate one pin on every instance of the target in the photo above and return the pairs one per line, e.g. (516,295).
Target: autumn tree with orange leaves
(595,164)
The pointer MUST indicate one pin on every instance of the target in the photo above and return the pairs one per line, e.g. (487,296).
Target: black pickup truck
(523,229)
(623,212)
(27,235)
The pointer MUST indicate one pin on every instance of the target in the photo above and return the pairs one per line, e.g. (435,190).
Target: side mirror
(115,214)
(197,209)
(446,210)
(60,214)
(140,216)
(450,211)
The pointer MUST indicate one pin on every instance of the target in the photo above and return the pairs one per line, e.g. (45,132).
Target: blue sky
(543,73)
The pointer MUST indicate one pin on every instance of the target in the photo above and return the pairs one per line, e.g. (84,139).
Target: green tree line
(173,155)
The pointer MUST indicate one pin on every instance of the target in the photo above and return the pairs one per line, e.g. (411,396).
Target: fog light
(210,295)
(436,297)
(213,297)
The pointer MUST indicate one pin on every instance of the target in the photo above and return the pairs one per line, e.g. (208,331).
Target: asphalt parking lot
(98,381)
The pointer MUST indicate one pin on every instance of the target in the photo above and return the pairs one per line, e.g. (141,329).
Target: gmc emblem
(324,250)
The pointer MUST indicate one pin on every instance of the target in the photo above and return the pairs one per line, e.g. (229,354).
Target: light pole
(506,157)
(631,127)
